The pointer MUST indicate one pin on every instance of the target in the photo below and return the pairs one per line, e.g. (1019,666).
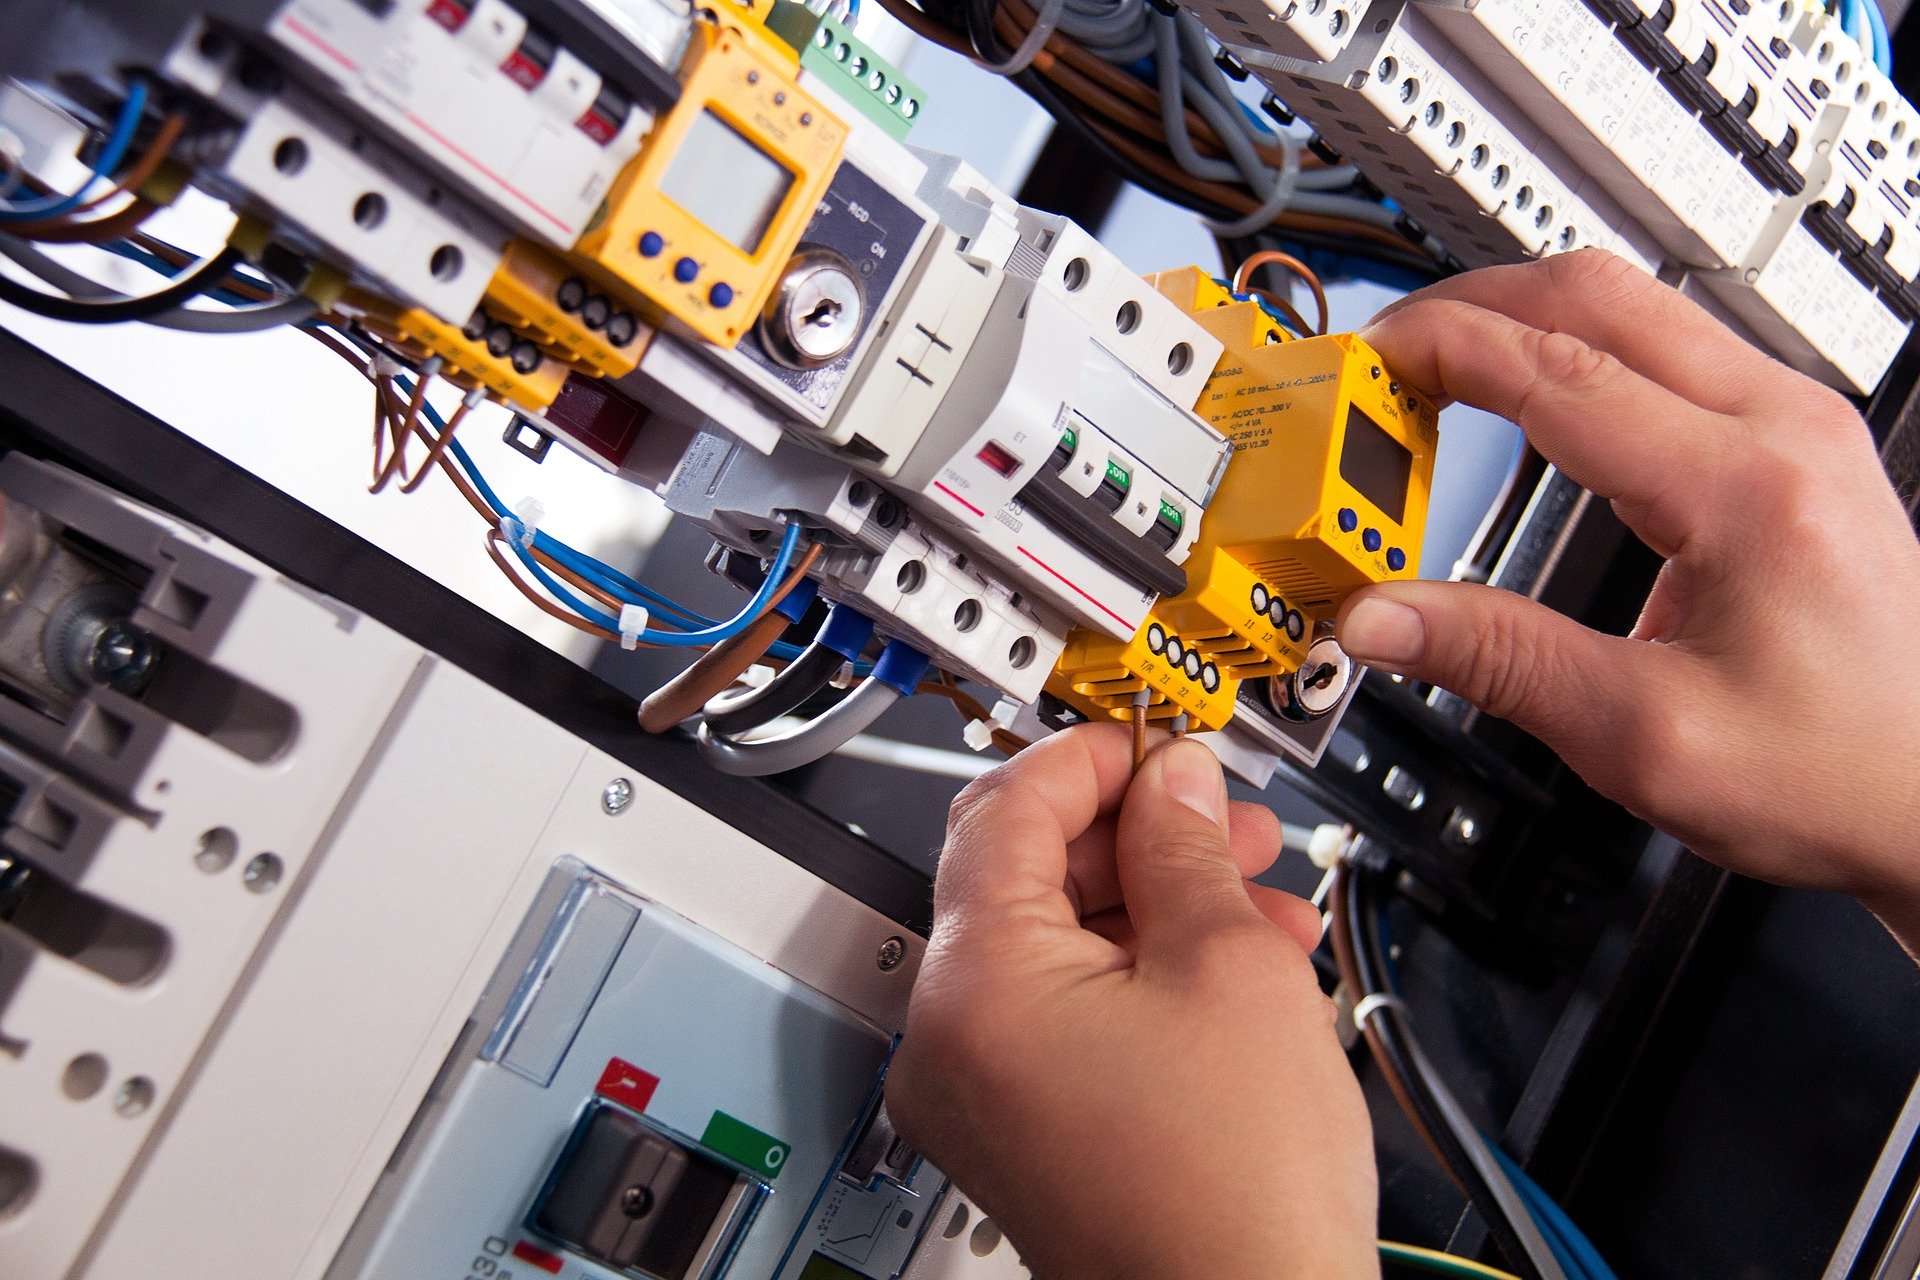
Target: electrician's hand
(1766,708)
(1117,1045)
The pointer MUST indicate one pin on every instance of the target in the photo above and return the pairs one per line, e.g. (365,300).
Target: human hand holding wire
(1766,708)
(1117,1045)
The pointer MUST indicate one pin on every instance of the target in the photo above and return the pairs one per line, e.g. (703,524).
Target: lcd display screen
(726,182)
(1376,464)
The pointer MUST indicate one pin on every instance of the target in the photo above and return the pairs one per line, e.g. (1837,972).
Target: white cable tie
(1375,1003)
(1005,711)
(529,512)
(633,621)
(978,734)
(1329,845)
(757,676)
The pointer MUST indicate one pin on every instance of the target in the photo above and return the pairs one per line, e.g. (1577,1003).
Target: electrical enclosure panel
(639,1098)
(1751,152)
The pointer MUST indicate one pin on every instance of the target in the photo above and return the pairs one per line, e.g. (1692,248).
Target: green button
(745,1145)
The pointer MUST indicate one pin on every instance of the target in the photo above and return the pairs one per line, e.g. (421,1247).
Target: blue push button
(1370,539)
(685,270)
(651,244)
(1348,520)
(721,295)
(1396,559)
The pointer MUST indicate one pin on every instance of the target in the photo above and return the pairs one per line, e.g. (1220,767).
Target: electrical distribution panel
(249,1031)
(693,247)
(1751,153)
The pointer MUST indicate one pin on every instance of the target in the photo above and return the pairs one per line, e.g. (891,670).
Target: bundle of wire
(1863,20)
(1532,1231)
(1142,88)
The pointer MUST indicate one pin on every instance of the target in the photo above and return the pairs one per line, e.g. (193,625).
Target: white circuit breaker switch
(984,218)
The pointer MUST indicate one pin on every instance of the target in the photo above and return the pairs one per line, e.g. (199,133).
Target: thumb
(1177,872)
(1577,690)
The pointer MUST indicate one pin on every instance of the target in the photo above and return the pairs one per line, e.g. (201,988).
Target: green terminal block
(848,67)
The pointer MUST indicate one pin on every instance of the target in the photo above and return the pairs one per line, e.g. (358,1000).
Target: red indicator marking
(489,174)
(957,498)
(1076,588)
(626,1084)
(598,127)
(548,1262)
(523,71)
(999,459)
(448,14)
(313,38)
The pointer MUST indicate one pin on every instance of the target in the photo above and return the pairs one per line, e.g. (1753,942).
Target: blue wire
(1554,1222)
(111,154)
(1850,19)
(600,573)
(1882,42)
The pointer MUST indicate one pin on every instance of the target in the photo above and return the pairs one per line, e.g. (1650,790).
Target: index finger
(1614,306)
(1008,832)
(1611,430)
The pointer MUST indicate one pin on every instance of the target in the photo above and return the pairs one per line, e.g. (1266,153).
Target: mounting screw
(1403,789)
(617,796)
(123,657)
(892,952)
(1463,829)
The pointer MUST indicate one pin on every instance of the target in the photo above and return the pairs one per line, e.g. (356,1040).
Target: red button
(626,1084)
(548,1262)
(999,459)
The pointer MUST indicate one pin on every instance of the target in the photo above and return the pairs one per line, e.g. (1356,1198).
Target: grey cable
(268,315)
(1524,1224)
(826,732)
(734,712)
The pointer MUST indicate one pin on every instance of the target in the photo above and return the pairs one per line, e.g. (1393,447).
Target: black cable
(730,714)
(1363,921)
(183,289)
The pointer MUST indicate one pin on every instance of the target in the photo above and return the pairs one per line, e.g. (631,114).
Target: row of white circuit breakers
(323,960)
(1748,150)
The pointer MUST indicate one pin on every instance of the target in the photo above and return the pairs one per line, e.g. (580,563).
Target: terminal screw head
(616,797)
(892,952)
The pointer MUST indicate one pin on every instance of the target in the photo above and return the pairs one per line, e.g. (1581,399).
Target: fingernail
(1384,632)
(1192,776)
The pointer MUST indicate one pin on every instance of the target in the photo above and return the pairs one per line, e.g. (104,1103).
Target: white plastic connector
(978,734)
(1329,845)
(528,513)
(633,621)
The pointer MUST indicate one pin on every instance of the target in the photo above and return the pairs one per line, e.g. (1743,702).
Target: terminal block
(573,311)
(1326,492)
(703,221)
(485,352)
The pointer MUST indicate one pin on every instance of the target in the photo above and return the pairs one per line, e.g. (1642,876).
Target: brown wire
(539,601)
(435,448)
(402,429)
(1285,308)
(1340,907)
(1243,276)
(1139,718)
(115,226)
(721,665)
(135,176)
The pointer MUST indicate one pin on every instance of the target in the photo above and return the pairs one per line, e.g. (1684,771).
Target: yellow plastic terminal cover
(467,359)
(702,222)
(570,308)
(1326,492)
